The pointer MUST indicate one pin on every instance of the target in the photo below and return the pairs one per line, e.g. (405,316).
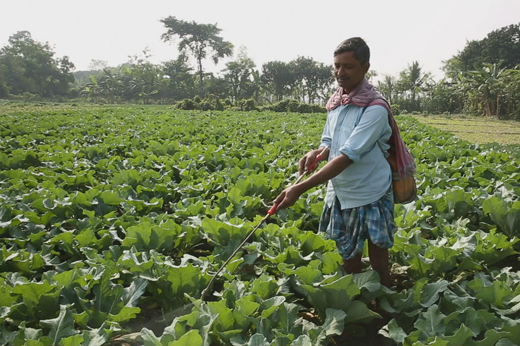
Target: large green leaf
(368,281)
(359,312)
(74,340)
(494,246)
(393,331)
(337,294)
(491,337)
(430,323)
(269,306)
(149,338)
(258,340)
(108,296)
(125,314)
(505,342)
(286,321)
(191,338)
(61,326)
(303,340)
(431,292)
(495,294)
(308,275)
(435,342)
(333,325)
(332,261)
(24,335)
(110,198)
(506,216)
(265,286)
(204,324)
(225,320)
(512,326)
(221,233)
(244,309)
(32,292)
(461,336)
(181,280)
(134,292)
(147,236)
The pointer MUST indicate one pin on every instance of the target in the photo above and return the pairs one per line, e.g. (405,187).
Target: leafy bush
(395,109)
(186,104)
(310,108)
(206,106)
(291,105)
(227,103)
(218,105)
(210,103)
(213,103)
(247,105)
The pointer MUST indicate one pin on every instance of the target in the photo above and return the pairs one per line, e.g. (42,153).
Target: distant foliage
(186,104)
(395,109)
(482,79)
(499,46)
(4,90)
(28,66)
(210,103)
(213,103)
(198,40)
(248,105)
(290,105)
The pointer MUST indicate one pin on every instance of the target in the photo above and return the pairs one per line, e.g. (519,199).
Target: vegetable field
(113,220)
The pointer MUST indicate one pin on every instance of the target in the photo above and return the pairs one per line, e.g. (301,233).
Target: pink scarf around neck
(361,96)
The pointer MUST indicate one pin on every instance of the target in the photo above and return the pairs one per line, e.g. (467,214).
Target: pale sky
(397,31)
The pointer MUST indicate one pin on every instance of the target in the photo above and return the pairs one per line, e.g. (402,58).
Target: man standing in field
(359,203)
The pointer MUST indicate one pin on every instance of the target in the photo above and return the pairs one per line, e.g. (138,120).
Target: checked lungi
(349,228)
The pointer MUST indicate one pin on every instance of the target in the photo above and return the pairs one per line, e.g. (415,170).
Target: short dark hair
(356,45)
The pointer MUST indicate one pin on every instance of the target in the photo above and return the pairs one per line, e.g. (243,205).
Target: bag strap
(363,112)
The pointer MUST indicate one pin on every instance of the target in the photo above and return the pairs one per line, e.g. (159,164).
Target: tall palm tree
(388,88)
(412,80)
(92,90)
(110,83)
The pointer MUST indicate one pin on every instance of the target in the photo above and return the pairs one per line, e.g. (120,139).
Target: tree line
(482,79)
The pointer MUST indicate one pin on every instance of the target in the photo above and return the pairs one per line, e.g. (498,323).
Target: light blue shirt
(363,137)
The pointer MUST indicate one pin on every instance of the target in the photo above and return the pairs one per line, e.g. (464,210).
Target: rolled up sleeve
(371,127)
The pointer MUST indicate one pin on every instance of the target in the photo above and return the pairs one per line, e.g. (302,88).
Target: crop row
(113,220)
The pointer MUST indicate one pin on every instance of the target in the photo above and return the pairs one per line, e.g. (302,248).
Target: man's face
(349,72)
